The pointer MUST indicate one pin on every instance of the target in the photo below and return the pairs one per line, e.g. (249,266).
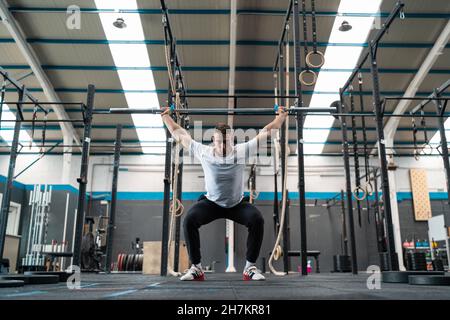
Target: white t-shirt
(224,176)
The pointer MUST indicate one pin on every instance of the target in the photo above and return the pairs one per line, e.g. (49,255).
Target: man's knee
(256,218)
(190,220)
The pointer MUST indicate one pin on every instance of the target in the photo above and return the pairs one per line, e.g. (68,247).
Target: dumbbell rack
(40,200)
(412,250)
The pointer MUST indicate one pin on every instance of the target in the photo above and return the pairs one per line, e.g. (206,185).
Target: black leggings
(205,211)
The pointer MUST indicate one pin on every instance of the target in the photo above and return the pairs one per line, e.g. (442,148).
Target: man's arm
(178,133)
(274,125)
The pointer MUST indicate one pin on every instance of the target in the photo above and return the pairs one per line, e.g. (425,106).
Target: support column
(9,180)
(299,124)
(67,159)
(82,180)
(394,206)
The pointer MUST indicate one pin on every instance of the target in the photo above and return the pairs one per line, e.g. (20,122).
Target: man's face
(223,144)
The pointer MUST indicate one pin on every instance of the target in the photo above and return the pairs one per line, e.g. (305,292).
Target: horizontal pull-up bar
(224,96)
(219,111)
(438,91)
(81,104)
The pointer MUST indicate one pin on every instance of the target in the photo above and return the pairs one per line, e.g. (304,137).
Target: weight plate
(402,276)
(429,280)
(11,283)
(124,262)
(63,276)
(130,262)
(32,279)
(119,262)
(135,262)
(141,262)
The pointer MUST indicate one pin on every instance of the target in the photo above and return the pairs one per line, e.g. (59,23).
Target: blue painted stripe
(25,294)
(218,91)
(416,15)
(88,285)
(29,187)
(120,293)
(194,42)
(16,184)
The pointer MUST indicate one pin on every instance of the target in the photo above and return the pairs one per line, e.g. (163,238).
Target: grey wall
(143,219)
(56,218)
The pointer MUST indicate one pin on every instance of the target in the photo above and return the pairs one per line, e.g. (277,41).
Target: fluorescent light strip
(338,58)
(132,55)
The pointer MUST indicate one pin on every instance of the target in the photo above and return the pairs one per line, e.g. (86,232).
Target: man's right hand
(165,111)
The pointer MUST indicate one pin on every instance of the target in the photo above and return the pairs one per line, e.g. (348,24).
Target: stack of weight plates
(416,261)
(130,262)
(403,276)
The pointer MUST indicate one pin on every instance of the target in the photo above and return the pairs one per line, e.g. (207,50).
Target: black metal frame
(348,186)
(82,180)
(371,53)
(9,180)
(177,75)
(440,111)
(112,210)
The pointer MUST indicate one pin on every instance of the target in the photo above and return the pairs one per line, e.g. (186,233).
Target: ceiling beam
(391,126)
(30,56)
(232,61)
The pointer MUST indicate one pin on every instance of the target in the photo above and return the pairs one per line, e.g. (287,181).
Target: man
(223,167)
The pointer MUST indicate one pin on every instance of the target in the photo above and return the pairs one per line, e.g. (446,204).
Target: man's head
(223,139)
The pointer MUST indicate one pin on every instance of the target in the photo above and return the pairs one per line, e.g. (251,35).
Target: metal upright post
(286,237)
(166,199)
(444,153)
(82,180)
(344,224)
(300,155)
(9,180)
(348,184)
(393,259)
(178,219)
(112,211)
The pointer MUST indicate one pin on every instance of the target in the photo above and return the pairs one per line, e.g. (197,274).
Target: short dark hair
(223,128)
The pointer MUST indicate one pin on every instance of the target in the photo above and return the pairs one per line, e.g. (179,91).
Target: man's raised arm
(178,133)
(274,125)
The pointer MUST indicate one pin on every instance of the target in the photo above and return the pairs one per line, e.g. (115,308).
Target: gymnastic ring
(255,194)
(369,188)
(356,193)
(179,208)
(302,74)
(429,149)
(278,253)
(416,155)
(312,53)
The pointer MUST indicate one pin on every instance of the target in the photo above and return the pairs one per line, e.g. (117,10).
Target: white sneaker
(252,273)
(193,274)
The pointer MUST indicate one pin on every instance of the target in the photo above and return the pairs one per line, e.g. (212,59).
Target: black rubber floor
(225,286)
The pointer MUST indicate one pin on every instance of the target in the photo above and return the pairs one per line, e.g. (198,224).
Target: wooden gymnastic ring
(179,209)
(278,253)
(302,74)
(356,193)
(312,53)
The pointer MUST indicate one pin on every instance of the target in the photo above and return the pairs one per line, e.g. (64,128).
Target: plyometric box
(152,257)
(420,194)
